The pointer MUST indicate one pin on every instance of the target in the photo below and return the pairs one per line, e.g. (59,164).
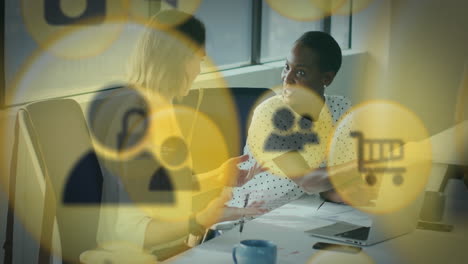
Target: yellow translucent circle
(116,119)
(305,10)
(31,209)
(74,29)
(389,169)
(139,172)
(139,11)
(43,77)
(282,137)
(114,252)
(351,7)
(332,257)
(73,9)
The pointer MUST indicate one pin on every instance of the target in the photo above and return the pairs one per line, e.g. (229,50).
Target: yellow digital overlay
(290,132)
(189,7)
(314,10)
(389,170)
(172,154)
(349,7)
(306,10)
(116,252)
(206,142)
(84,28)
(87,28)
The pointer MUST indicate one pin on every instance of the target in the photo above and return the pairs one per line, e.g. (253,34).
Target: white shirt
(123,217)
(266,186)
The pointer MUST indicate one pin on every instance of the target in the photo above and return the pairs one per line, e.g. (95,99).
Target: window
(228,25)
(279,32)
(239,33)
(340,28)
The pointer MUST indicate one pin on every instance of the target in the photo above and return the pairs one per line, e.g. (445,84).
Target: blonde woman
(164,65)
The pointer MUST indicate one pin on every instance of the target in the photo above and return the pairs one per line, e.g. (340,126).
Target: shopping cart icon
(379,152)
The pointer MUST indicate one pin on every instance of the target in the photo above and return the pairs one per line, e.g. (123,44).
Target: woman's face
(302,71)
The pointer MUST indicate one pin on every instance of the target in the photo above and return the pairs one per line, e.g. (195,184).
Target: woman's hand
(217,212)
(235,213)
(314,182)
(231,175)
(214,210)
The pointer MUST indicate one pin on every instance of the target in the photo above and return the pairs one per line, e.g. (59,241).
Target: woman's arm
(229,174)
(314,182)
(319,180)
(159,232)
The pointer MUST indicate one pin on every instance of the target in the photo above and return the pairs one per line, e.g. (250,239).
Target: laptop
(382,226)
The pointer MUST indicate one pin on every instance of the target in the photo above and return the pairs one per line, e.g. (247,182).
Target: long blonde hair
(159,61)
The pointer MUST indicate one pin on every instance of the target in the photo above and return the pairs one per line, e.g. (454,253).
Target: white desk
(294,246)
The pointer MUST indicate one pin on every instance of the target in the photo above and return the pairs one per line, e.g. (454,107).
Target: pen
(246,201)
(321,205)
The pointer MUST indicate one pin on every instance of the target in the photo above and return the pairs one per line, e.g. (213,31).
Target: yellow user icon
(161,181)
(283,126)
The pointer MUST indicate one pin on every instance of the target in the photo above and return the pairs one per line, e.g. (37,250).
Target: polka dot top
(266,186)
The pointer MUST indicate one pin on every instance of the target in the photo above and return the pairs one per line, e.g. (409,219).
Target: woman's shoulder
(337,100)
(338,105)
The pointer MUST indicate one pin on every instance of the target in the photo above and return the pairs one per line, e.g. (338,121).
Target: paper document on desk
(299,215)
(343,213)
(305,210)
(271,198)
(293,222)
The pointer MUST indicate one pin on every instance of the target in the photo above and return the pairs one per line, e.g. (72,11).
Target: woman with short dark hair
(311,66)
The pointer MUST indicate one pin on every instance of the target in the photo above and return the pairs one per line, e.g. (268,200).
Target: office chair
(244,100)
(72,177)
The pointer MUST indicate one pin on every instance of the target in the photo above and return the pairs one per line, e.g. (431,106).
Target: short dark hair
(326,47)
(186,24)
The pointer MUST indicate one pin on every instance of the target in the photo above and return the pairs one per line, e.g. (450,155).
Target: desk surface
(294,246)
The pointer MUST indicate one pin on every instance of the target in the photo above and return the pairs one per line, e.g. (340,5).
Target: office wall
(371,33)
(269,76)
(427,56)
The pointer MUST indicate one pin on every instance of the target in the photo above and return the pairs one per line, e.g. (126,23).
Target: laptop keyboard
(361,233)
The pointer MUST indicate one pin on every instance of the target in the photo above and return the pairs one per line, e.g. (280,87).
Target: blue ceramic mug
(254,252)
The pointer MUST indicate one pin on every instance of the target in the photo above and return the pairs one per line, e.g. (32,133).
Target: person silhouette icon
(285,139)
(306,135)
(173,171)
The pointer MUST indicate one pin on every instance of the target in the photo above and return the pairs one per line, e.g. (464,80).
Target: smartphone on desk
(336,247)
